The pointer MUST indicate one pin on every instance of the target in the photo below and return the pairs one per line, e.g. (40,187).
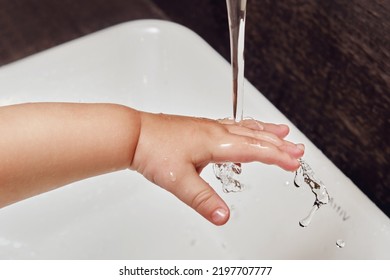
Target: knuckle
(202,198)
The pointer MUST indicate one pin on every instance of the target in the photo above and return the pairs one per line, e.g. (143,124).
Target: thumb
(199,195)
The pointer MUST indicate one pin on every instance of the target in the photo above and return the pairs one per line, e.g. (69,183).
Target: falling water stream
(228,173)
(237,16)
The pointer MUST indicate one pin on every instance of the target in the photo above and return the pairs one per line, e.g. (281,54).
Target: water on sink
(340,243)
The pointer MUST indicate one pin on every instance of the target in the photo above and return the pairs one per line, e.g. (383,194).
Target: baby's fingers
(247,149)
(295,150)
(280,130)
(196,193)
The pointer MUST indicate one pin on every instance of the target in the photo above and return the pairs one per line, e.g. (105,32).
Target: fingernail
(301,147)
(219,216)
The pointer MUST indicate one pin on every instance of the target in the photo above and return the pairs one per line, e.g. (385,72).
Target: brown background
(324,64)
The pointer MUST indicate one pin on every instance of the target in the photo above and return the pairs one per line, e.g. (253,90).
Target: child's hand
(47,145)
(172,151)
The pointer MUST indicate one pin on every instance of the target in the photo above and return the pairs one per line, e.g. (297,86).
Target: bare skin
(44,146)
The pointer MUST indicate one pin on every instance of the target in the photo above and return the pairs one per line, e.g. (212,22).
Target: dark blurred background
(324,64)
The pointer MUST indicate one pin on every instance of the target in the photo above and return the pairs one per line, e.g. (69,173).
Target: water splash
(306,175)
(228,174)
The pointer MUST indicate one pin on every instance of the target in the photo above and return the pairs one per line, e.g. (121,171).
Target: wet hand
(172,151)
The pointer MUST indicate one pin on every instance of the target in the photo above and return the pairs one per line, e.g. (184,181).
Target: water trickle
(227,172)
(307,220)
(305,175)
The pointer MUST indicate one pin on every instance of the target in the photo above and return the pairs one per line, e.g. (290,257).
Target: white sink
(163,67)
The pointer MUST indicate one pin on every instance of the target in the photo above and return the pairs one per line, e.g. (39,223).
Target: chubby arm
(47,145)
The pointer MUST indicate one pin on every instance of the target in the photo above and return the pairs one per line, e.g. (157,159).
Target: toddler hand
(172,151)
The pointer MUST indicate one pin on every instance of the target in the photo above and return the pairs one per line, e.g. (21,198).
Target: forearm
(47,145)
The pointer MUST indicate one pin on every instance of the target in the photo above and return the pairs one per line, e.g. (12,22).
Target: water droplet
(340,243)
(172,176)
(306,221)
(287,183)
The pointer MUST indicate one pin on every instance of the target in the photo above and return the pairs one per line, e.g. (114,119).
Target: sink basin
(159,66)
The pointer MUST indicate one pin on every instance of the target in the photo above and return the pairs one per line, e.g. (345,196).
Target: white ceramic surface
(163,67)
